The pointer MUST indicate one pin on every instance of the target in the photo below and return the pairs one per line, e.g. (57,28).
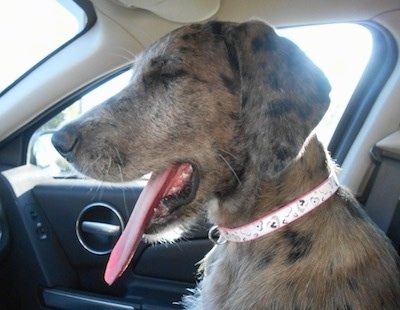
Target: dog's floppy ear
(283,94)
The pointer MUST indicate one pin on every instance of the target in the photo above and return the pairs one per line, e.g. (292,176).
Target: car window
(31,30)
(342,51)
(42,153)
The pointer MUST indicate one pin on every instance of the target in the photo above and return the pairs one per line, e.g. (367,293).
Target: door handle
(101,228)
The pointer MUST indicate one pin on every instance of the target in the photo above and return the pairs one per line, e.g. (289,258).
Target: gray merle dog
(223,115)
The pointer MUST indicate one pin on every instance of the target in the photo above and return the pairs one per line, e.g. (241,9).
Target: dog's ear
(283,94)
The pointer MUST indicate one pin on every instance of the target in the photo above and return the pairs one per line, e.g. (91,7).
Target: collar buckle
(215,236)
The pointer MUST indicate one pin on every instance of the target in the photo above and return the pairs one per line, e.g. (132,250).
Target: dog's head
(210,109)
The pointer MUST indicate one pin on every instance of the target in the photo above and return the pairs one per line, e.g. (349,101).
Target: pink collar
(280,217)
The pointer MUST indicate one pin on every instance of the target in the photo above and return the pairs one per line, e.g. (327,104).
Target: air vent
(98,228)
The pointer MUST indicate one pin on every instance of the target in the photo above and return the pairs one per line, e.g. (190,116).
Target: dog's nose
(65,140)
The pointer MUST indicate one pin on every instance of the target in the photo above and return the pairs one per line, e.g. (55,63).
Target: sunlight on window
(105,91)
(342,51)
(96,96)
(29,31)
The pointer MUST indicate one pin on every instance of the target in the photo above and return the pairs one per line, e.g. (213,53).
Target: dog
(223,114)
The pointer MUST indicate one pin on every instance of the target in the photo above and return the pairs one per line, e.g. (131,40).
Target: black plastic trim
(4,234)
(69,299)
(382,62)
(91,16)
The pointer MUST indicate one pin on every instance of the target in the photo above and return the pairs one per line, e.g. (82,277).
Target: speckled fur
(241,103)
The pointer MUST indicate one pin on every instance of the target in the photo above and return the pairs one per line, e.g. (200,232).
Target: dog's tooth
(186,176)
(174,190)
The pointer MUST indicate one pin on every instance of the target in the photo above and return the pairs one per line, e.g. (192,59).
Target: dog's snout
(65,140)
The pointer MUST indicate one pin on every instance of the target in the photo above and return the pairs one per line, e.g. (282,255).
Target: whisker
(229,153)
(108,168)
(122,56)
(122,180)
(123,191)
(91,164)
(230,167)
(131,56)
(130,53)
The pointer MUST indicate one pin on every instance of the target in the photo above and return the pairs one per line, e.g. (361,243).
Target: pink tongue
(125,248)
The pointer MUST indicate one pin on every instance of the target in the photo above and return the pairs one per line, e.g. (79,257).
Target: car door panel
(46,215)
(34,259)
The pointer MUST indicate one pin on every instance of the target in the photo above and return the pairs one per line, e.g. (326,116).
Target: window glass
(31,30)
(41,151)
(342,51)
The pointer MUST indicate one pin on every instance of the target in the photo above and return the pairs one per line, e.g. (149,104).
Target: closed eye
(153,79)
(174,74)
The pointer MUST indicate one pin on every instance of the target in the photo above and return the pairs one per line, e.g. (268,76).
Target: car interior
(57,228)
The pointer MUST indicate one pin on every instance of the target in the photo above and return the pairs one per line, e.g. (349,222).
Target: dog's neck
(279,218)
(312,167)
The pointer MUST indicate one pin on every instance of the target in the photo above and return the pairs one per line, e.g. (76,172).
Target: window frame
(381,64)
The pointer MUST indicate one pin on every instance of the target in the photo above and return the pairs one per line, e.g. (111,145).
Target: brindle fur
(241,104)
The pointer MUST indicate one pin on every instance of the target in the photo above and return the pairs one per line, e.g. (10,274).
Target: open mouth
(182,187)
(163,196)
